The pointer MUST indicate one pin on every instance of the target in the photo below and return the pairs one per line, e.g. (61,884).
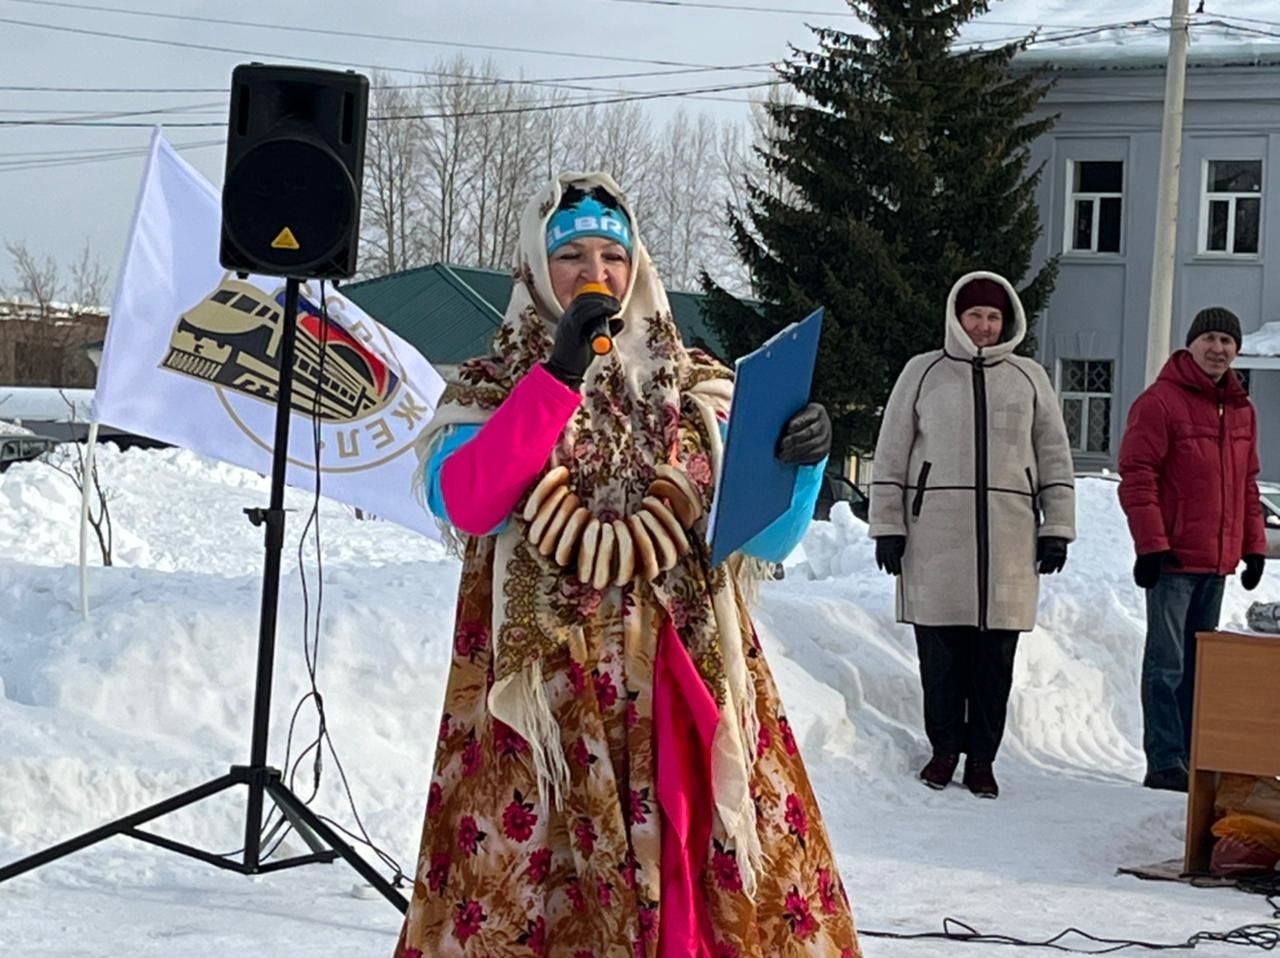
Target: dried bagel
(570,535)
(625,551)
(646,557)
(664,548)
(670,524)
(547,512)
(603,572)
(685,511)
(551,537)
(558,476)
(587,554)
(686,485)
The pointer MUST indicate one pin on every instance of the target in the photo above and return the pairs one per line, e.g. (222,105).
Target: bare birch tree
(395,220)
(681,197)
(88,279)
(450,142)
(38,280)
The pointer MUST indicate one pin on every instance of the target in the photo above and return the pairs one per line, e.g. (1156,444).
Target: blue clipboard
(754,487)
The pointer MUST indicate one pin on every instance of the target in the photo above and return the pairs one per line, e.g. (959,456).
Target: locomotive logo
(231,340)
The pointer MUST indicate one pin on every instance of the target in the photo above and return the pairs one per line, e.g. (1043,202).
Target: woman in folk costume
(614,776)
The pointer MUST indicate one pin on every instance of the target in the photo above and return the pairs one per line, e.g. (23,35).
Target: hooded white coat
(972,465)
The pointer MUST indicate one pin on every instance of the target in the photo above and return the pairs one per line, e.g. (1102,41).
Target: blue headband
(589,217)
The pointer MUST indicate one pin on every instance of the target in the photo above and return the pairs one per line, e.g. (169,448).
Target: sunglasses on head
(573,195)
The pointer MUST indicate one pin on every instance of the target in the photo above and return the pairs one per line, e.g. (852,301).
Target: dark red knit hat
(984,292)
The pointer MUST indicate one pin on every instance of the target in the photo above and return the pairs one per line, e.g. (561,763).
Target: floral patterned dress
(503,875)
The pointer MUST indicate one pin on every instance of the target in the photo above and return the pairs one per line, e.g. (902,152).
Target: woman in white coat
(972,499)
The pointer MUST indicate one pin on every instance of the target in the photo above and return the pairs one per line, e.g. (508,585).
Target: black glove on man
(1051,554)
(1147,568)
(889,551)
(571,352)
(806,438)
(1252,573)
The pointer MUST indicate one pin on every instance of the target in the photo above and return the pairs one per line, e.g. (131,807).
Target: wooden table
(1235,728)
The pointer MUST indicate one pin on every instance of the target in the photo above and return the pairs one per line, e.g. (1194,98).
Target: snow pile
(154,694)
(11,429)
(1264,341)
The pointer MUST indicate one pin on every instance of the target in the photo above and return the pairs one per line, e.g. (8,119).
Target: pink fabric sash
(685,717)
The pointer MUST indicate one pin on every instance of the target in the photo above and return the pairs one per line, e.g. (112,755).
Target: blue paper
(770,386)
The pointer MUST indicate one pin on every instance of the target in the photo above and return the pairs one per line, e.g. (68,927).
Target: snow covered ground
(154,694)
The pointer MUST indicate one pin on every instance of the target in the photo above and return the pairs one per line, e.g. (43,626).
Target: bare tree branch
(88,279)
(72,465)
(38,281)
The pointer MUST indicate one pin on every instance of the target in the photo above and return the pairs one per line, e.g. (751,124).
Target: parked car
(21,448)
(836,488)
(1269,493)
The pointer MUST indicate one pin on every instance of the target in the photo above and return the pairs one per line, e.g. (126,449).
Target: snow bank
(154,694)
(1264,341)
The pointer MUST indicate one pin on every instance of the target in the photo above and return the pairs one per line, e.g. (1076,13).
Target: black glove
(1147,568)
(1051,554)
(571,352)
(889,550)
(1252,573)
(806,438)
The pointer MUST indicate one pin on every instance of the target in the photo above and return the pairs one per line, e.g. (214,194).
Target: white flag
(192,358)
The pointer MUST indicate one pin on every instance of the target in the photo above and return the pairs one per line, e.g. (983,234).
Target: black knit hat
(1215,319)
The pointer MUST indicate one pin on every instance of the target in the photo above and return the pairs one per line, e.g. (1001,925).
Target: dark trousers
(967,675)
(1177,608)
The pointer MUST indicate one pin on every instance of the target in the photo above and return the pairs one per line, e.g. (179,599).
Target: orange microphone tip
(593,288)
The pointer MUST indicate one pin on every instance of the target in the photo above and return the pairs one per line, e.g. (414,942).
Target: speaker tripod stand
(262,781)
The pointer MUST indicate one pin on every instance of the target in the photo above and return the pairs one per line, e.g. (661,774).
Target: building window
(1097,194)
(1085,389)
(1231,209)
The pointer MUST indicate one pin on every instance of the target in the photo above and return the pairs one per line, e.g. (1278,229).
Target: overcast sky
(56,190)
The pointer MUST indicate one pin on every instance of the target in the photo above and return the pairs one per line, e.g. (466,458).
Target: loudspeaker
(295,168)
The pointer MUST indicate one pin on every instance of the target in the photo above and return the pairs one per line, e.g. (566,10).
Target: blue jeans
(1177,608)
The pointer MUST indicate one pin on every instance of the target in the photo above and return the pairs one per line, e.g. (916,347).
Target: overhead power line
(788,11)
(446,115)
(478,80)
(620,96)
(316,31)
(1249,30)
(1227,16)
(99,156)
(80,118)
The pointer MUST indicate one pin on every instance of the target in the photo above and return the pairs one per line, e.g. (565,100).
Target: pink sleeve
(484,479)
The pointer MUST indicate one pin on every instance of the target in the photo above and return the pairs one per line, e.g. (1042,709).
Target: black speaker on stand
(295,160)
(290,208)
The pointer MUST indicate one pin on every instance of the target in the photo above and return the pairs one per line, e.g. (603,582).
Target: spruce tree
(906,163)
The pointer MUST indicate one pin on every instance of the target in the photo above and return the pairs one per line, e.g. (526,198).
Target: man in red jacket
(1188,485)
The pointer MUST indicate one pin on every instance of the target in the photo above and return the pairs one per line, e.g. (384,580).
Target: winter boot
(980,778)
(937,774)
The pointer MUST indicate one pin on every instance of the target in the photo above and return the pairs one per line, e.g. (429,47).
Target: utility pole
(1160,317)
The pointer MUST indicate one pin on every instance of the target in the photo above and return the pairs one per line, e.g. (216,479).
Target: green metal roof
(451,313)
(433,309)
